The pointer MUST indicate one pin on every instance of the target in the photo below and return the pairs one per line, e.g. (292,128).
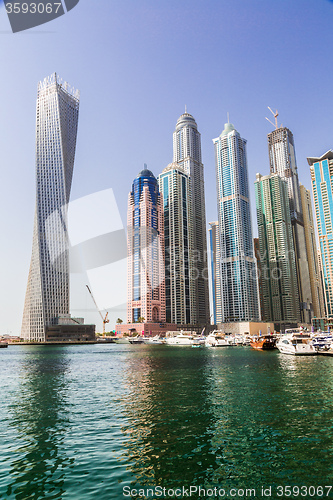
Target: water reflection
(170,424)
(39,415)
(229,418)
(275,424)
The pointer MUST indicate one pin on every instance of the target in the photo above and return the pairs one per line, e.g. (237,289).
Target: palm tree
(141,319)
(119,321)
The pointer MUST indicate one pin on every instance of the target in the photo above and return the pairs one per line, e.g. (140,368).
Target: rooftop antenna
(276,114)
(228,116)
(185,109)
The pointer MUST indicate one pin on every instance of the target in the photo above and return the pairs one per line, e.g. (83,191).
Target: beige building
(312,254)
(250,327)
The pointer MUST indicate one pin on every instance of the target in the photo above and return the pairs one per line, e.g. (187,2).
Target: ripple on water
(83,422)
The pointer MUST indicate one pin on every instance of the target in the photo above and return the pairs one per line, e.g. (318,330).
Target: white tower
(47,295)
(187,154)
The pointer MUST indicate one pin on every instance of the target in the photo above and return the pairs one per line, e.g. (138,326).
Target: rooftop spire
(185,108)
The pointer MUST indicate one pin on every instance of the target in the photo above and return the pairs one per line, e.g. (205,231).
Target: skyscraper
(174,185)
(187,154)
(282,160)
(239,289)
(256,249)
(214,242)
(321,169)
(145,243)
(312,254)
(47,295)
(277,256)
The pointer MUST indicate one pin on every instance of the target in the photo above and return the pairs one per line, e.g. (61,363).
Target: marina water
(85,422)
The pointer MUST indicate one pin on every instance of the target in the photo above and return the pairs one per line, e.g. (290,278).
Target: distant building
(312,254)
(260,277)
(214,242)
(187,154)
(321,169)
(47,295)
(180,272)
(321,272)
(282,159)
(240,301)
(277,257)
(145,243)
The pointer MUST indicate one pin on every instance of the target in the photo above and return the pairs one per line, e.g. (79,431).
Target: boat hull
(265,344)
(308,353)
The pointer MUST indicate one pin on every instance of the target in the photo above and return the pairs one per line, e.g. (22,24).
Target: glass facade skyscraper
(187,154)
(282,158)
(239,288)
(312,254)
(277,257)
(321,169)
(214,242)
(175,187)
(47,295)
(145,243)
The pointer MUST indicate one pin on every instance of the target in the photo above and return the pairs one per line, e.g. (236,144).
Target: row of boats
(295,341)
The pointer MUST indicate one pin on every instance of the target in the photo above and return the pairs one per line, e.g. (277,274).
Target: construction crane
(276,114)
(105,318)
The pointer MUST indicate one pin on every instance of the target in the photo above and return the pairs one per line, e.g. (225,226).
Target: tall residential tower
(312,254)
(282,159)
(145,243)
(277,257)
(240,301)
(47,295)
(180,289)
(187,154)
(214,243)
(321,169)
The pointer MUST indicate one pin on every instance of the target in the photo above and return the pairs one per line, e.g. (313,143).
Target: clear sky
(137,63)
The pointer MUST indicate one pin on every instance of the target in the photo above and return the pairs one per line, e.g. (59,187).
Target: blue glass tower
(322,186)
(239,288)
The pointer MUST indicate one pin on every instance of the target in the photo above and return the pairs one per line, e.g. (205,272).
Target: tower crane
(105,318)
(276,114)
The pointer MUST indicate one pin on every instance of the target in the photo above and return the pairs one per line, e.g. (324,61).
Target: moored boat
(265,342)
(3,343)
(183,338)
(136,340)
(297,344)
(322,341)
(154,340)
(217,339)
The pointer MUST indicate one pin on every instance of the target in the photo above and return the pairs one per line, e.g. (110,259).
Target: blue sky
(137,64)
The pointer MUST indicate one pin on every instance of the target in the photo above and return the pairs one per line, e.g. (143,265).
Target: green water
(83,422)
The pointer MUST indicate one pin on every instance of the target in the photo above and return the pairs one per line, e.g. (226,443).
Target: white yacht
(136,340)
(322,341)
(217,339)
(183,338)
(296,343)
(154,340)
